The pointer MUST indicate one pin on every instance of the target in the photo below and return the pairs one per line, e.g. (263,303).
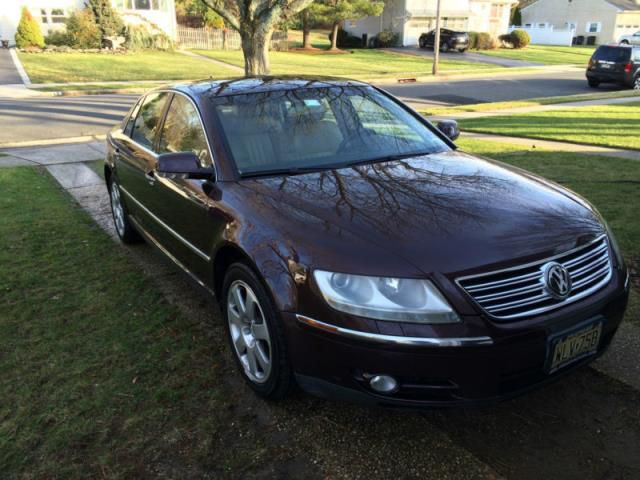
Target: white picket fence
(548,35)
(217,39)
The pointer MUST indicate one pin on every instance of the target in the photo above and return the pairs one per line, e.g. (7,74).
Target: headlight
(614,246)
(381,298)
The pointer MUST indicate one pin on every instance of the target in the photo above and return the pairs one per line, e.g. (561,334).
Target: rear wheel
(444,47)
(593,83)
(256,333)
(124,228)
(422,43)
(624,42)
(636,83)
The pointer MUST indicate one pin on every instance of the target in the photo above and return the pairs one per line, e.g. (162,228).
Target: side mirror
(450,129)
(182,165)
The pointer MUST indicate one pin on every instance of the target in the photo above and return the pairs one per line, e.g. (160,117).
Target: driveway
(8,73)
(466,57)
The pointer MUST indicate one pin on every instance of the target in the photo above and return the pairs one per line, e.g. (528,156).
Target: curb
(21,71)
(53,141)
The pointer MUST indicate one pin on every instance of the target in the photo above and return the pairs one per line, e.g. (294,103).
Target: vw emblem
(557,280)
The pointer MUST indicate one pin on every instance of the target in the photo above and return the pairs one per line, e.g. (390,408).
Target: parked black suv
(449,40)
(615,64)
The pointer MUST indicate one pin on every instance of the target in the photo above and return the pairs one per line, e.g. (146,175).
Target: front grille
(520,291)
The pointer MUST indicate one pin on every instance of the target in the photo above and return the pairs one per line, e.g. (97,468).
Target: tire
(422,43)
(636,83)
(593,83)
(120,215)
(462,50)
(624,42)
(255,333)
(444,47)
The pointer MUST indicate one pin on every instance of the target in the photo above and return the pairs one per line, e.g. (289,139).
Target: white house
(411,18)
(52,14)
(605,20)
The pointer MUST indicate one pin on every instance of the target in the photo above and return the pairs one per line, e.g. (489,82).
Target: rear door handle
(151,177)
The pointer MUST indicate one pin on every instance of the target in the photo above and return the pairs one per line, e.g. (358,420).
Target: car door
(137,159)
(183,206)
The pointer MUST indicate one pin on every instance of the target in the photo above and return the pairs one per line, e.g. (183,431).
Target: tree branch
(228,16)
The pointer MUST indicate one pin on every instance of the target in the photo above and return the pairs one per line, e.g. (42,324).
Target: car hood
(449,212)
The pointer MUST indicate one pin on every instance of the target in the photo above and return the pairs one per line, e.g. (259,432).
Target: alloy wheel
(117,210)
(636,83)
(249,332)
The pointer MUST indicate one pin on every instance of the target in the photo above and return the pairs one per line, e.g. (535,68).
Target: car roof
(243,85)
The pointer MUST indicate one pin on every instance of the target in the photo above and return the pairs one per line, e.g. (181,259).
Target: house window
(58,15)
(594,27)
(542,25)
(43,15)
(570,25)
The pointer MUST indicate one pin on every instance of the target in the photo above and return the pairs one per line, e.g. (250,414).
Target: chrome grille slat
(509,293)
(490,285)
(519,292)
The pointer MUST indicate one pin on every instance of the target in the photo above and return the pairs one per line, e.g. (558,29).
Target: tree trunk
(255,47)
(334,35)
(306,30)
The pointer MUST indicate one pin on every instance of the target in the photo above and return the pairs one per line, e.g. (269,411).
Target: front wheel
(256,333)
(593,83)
(444,47)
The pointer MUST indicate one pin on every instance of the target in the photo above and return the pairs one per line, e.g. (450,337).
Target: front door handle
(151,177)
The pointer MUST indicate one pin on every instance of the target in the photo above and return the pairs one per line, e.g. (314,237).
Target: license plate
(605,65)
(570,347)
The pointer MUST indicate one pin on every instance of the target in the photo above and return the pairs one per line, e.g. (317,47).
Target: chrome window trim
(192,247)
(394,339)
(548,308)
(204,130)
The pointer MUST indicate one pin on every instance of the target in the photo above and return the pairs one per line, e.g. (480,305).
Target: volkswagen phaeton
(355,251)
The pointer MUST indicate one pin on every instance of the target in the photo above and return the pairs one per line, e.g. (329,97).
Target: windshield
(306,129)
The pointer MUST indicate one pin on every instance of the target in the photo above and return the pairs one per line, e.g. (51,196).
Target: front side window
(319,128)
(183,131)
(148,119)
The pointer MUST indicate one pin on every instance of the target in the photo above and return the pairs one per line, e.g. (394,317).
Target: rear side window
(148,119)
(612,54)
(183,131)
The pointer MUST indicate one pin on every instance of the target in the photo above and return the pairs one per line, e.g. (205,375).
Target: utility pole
(436,42)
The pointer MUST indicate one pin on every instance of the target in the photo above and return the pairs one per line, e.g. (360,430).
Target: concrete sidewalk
(556,146)
(538,108)
(47,155)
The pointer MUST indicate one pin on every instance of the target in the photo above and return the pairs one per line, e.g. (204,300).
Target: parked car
(633,39)
(355,251)
(615,64)
(449,40)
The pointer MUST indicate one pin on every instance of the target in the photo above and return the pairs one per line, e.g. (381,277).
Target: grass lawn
(545,54)
(96,67)
(319,38)
(110,87)
(608,125)
(360,64)
(532,102)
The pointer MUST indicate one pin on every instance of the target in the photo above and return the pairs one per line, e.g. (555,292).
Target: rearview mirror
(450,129)
(182,165)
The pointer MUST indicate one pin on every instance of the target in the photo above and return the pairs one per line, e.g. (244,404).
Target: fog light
(383,384)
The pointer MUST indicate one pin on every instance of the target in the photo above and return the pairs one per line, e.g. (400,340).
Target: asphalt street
(46,118)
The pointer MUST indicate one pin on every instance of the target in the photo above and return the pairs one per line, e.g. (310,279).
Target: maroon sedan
(355,251)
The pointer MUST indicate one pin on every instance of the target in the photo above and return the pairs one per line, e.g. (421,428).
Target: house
(157,14)
(411,18)
(606,20)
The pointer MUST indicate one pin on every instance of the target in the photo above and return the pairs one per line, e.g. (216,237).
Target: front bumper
(437,372)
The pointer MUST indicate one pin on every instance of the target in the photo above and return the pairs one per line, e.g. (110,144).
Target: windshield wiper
(330,166)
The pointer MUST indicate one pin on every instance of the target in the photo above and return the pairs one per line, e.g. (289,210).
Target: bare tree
(255,20)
